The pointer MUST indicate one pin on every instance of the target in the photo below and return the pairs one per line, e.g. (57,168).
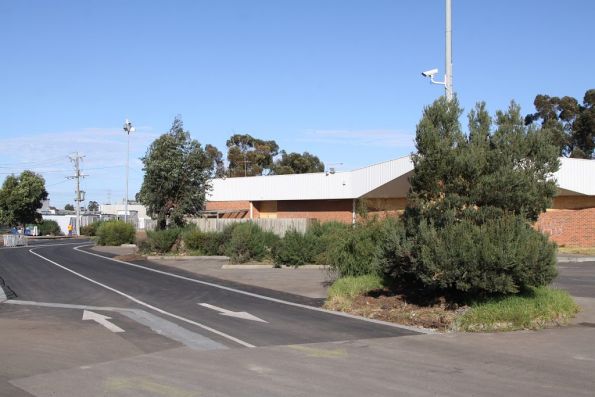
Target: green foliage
(472,200)
(501,256)
(215,158)
(162,241)
(296,249)
(249,243)
(206,243)
(115,233)
(295,163)
(351,287)
(177,171)
(355,251)
(572,124)
(49,228)
(93,206)
(69,207)
(535,308)
(249,156)
(20,198)
(91,229)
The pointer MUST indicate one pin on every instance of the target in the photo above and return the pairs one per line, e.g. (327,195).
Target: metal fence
(14,240)
(277,226)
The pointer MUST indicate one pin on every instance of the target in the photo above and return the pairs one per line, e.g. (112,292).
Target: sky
(338,78)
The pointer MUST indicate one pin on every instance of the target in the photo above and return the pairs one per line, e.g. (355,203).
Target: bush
(162,241)
(296,249)
(354,251)
(249,243)
(501,256)
(90,229)
(115,233)
(206,243)
(49,228)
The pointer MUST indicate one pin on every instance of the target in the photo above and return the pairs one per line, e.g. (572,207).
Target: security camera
(430,73)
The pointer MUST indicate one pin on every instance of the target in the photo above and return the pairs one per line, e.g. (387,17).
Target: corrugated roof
(575,175)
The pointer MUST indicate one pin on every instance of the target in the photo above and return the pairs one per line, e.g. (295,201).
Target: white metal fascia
(576,175)
(316,186)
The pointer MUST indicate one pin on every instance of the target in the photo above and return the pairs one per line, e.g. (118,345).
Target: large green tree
(215,158)
(250,156)
(177,171)
(573,124)
(295,163)
(21,197)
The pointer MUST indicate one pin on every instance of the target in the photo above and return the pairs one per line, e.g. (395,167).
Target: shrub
(49,228)
(501,256)
(115,233)
(162,241)
(90,229)
(207,243)
(353,251)
(296,249)
(248,242)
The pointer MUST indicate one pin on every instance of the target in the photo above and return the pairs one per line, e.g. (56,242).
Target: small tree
(69,207)
(177,172)
(249,156)
(472,201)
(21,197)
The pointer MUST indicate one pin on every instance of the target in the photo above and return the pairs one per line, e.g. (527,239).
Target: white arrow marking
(229,313)
(102,320)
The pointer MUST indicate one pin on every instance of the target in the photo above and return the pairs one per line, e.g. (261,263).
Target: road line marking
(229,313)
(100,319)
(264,297)
(186,320)
(159,325)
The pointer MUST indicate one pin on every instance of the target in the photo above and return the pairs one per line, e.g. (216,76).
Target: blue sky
(338,78)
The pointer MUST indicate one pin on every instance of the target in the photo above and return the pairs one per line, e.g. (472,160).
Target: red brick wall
(570,228)
(231,205)
(323,210)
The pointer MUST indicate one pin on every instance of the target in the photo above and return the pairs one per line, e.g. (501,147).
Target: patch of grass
(577,250)
(538,308)
(344,290)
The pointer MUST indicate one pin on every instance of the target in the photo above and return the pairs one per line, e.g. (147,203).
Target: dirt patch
(130,257)
(382,305)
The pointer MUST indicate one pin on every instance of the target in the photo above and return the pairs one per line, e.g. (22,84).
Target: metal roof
(386,179)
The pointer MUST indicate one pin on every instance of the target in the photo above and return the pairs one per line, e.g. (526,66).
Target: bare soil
(385,306)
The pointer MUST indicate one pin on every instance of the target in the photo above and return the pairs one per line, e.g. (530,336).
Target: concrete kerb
(567,259)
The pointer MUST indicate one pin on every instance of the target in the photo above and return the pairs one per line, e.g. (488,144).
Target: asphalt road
(59,274)
(173,346)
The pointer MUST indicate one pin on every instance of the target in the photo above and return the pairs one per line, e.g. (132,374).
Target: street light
(447,83)
(128,128)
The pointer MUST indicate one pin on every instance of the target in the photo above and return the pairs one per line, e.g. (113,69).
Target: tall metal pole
(128,128)
(448,66)
(127,161)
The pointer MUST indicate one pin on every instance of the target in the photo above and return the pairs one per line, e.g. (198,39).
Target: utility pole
(80,195)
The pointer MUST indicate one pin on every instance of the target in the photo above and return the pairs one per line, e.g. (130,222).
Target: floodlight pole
(448,52)
(128,128)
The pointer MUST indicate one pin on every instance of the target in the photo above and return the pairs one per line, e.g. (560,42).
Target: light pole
(128,128)
(447,83)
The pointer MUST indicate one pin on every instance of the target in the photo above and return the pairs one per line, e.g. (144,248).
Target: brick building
(382,188)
